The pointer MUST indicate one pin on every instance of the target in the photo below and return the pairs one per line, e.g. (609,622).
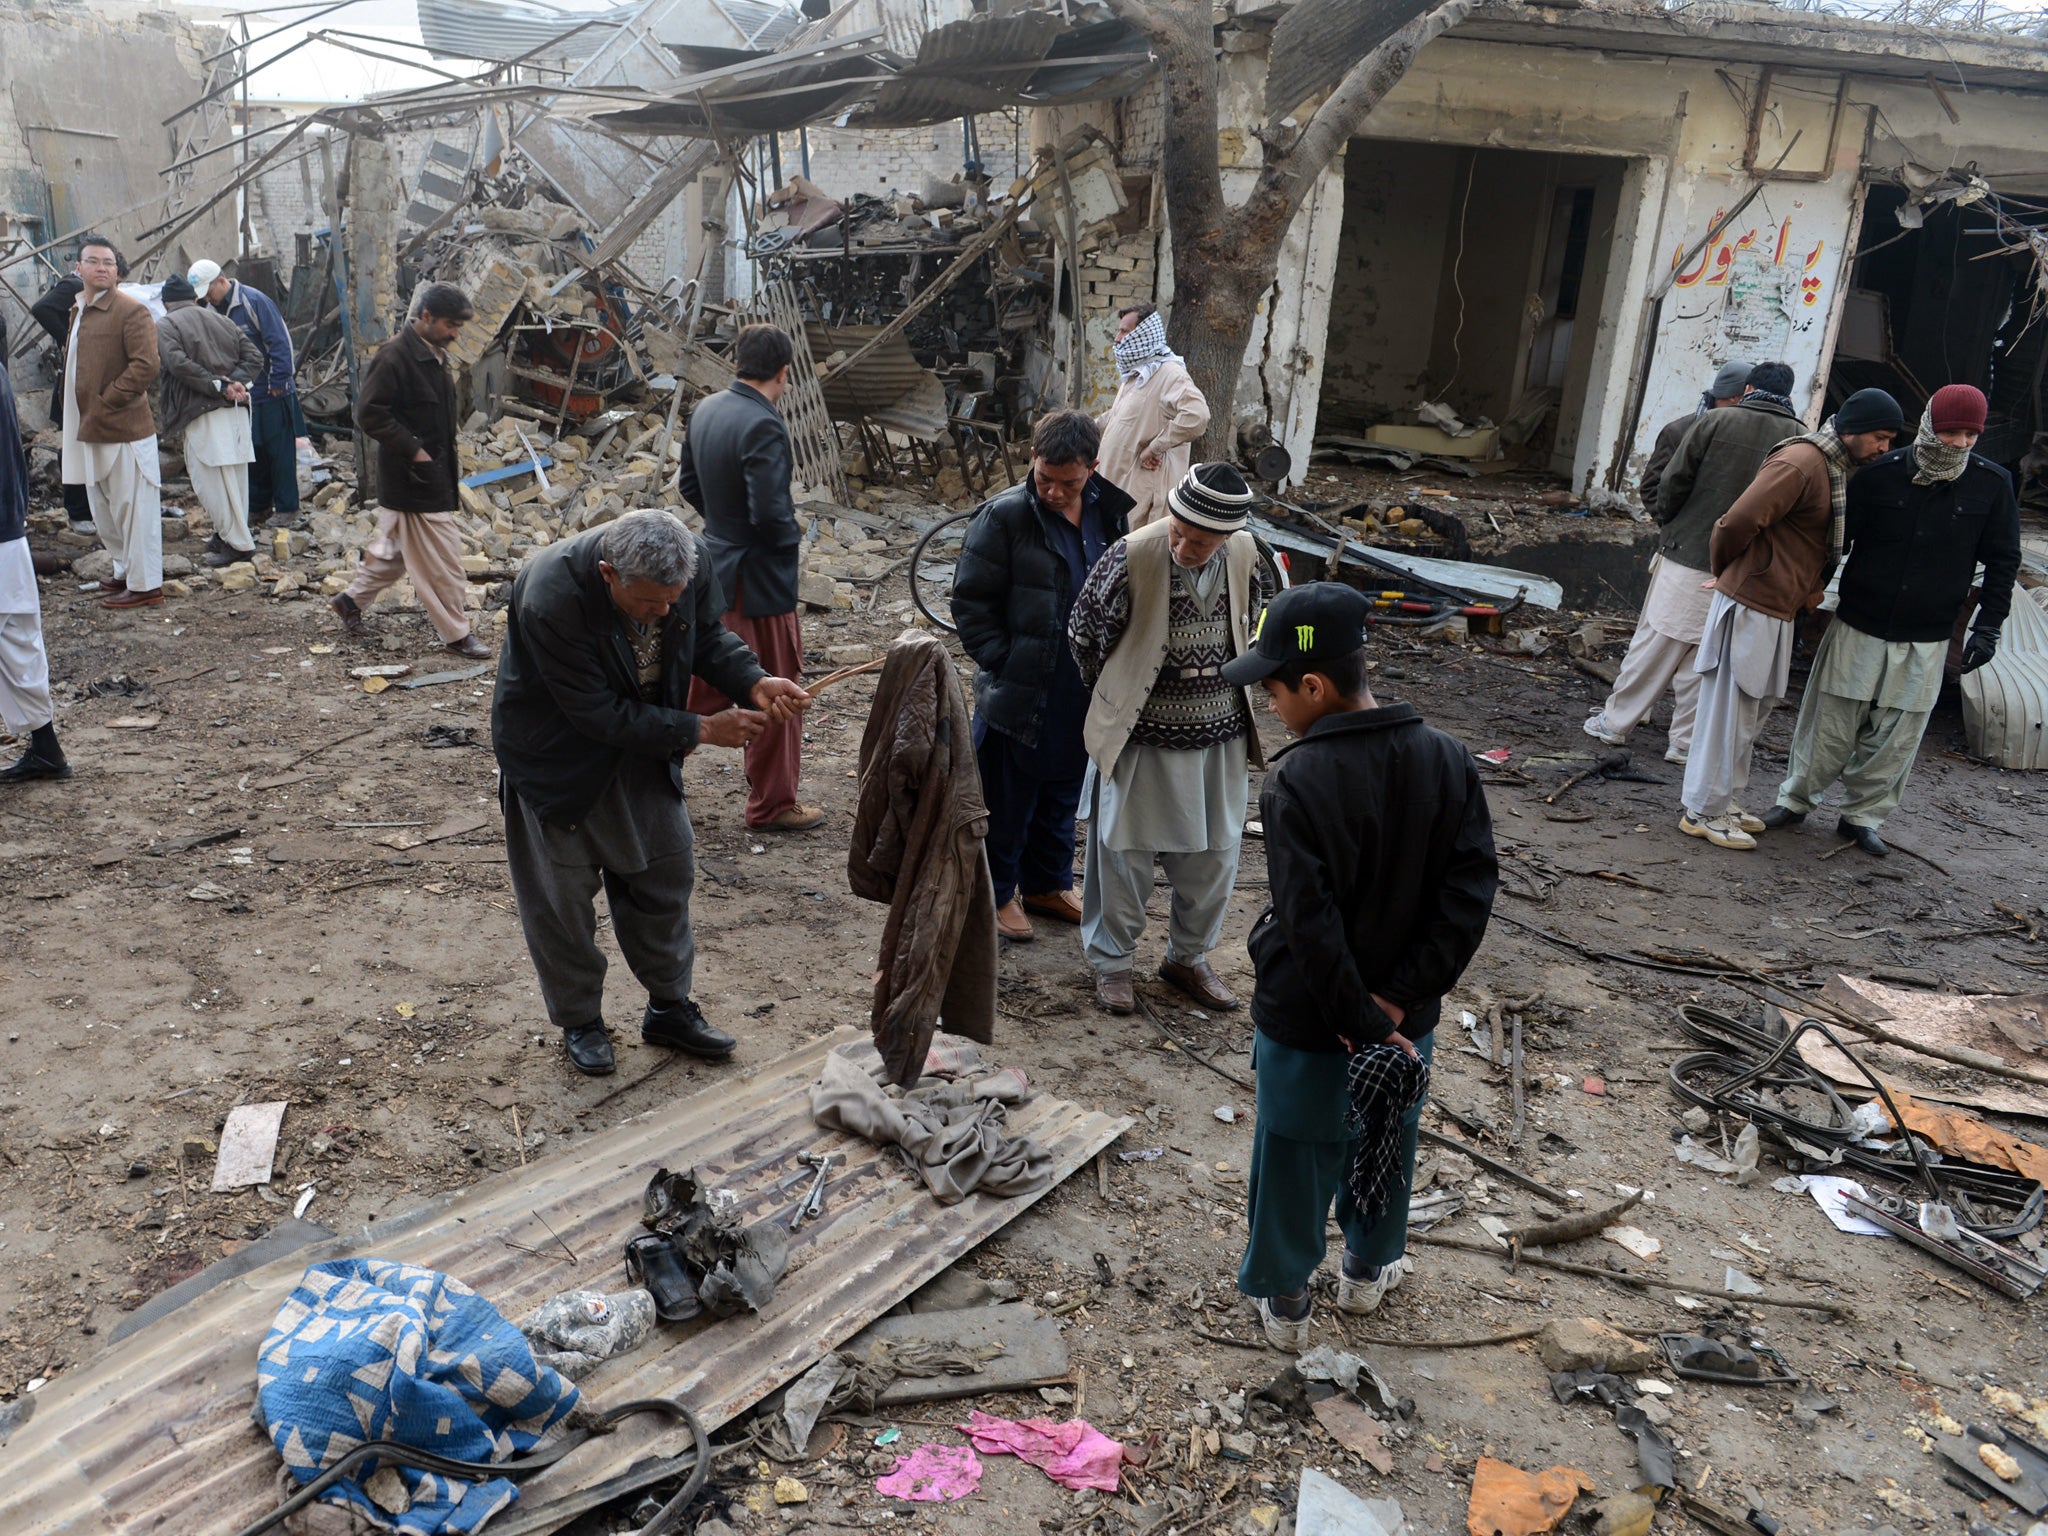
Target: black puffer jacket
(1381,855)
(1914,549)
(1011,598)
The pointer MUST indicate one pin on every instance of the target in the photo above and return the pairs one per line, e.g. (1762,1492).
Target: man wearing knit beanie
(1771,555)
(1168,738)
(1919,523)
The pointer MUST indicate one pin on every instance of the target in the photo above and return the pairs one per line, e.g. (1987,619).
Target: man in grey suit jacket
(736,471)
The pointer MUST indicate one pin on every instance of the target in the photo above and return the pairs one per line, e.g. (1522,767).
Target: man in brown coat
(1771,555)
(109,433)
(407,403)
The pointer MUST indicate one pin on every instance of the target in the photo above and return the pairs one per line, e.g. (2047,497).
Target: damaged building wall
(1676,133)
(74,152)
(1129,264)
(879,161)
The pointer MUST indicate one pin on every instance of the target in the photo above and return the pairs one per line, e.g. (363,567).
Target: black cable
(401,1454)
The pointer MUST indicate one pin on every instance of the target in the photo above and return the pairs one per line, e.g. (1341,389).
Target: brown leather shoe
(111,585)
(1011,922)
(1060,906)
(346,610)
(1199,982)
(798,818)
(471,647)
(1114,992)
(128,597)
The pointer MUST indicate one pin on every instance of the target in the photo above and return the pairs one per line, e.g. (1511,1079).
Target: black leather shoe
(1781,816)
(33,765)
(589,1048)
(1865,838)
(680,1026)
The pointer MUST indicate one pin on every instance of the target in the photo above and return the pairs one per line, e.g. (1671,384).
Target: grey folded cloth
(952,1132)
(577,1330)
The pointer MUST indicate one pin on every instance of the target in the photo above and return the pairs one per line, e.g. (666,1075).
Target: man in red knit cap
(1919,522)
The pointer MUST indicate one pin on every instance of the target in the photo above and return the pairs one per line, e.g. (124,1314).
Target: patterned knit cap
(1213,497)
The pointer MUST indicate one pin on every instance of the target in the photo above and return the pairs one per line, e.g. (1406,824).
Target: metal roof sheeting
(1318,41)
(493,31)
(156,1436)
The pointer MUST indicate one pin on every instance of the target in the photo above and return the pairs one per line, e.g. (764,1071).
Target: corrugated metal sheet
(967,66)
(2005,701)
(482,29)
(889,386)
(1318,40)
(155,1436)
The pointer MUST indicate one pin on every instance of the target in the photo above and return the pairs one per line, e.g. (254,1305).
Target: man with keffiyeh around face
(1771,555)
(1918,522)
(1149,432)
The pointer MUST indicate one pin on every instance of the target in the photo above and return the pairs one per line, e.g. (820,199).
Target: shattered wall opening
(1932,304)
(1474,277)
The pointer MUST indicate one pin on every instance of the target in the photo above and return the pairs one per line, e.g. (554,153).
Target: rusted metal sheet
(156,1435)
(889,386)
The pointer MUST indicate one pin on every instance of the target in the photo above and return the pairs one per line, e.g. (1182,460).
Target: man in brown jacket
(1771,554)
(109,433)
(407,403)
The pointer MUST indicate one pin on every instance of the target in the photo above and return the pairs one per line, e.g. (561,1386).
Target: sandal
(652,1263)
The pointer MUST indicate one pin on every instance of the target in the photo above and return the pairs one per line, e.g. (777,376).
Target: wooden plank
(156,1434)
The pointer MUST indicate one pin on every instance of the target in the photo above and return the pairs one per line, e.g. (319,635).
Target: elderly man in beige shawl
(1158,414)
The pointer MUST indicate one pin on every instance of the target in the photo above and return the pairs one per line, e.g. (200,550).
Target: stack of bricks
(1119,274)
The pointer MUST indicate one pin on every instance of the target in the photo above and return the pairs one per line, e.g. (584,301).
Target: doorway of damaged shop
(1946,289)
(1465,302)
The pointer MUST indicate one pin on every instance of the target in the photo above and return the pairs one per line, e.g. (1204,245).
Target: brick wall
(880,161)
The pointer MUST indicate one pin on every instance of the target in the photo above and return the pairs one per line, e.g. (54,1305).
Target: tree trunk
(1226,258)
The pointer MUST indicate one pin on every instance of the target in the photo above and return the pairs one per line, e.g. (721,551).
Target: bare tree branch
(1344,111)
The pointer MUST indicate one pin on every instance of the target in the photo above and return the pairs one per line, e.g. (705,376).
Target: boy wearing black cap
(1382,864)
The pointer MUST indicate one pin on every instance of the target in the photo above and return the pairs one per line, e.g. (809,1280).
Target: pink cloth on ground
(1075,1454)
(932,1473)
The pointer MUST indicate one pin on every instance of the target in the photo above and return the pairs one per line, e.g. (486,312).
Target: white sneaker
(1673,755)
(1721,831)
(1286,1334)
(1362,1298)
(1593,729)
(1744,820)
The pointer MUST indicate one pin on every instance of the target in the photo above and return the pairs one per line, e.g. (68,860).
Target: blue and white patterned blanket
(367,1349)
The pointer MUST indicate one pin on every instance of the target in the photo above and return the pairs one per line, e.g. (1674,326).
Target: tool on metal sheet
(812,1205)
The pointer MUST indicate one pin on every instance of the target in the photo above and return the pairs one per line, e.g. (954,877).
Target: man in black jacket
(590,722)
(407,403)
(1381,857)
(1026,555)
(25,706)
(1919,522)
(736,470)
(53,313)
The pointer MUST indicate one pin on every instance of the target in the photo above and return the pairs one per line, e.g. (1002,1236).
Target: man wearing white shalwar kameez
(25,706)
(1149,432)
(1168,740)
(208,365)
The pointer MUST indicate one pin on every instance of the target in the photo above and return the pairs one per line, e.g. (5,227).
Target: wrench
(812,1205)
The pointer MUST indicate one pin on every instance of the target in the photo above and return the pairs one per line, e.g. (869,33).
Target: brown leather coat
(1769,551)
(918,845)
(116,364)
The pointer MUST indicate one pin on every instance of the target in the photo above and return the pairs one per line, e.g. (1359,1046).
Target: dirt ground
(386,993)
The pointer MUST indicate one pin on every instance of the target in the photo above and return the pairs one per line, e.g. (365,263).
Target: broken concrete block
(1581,1344)
(239,577)
(96,566)
(176,565)
(813,589)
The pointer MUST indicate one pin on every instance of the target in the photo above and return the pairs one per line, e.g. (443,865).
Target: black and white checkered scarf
(1386,1084)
